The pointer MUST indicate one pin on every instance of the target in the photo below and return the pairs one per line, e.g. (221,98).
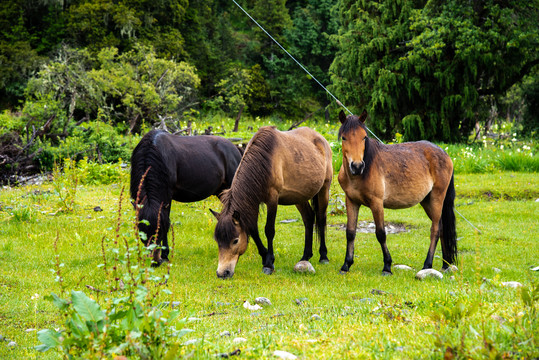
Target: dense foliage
(426,69)
(432,69)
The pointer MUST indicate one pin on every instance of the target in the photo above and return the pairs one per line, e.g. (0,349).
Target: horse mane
(372,146)
(249,187)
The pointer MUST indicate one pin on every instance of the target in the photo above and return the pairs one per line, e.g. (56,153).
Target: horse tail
(149,185)
(318,218)
(449,224)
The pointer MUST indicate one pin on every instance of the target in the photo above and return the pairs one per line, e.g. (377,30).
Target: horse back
(302,164)
(198,166)
(401,175)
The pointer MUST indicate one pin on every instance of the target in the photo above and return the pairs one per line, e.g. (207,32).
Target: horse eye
(235,241)
(343,138)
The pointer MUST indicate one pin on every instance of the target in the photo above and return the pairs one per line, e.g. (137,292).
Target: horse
(396,177)
(166,167)
(277,168)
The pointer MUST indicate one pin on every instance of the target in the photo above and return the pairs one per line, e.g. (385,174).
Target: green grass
(468,316)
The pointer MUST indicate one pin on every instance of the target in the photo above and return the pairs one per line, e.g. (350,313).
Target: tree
(424,68)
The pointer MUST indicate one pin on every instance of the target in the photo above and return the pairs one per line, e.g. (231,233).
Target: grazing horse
(277,168)
(396,177)
(166,167)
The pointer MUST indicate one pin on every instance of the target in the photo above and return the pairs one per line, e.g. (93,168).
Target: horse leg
(378,216)
(160,254)
(352,210)
(307,215)
(166,227)
(262,251)
(268,266)
(322,200)
(433,209)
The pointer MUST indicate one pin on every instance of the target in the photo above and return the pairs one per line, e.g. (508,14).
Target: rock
(512,284)
(422,274)
(450,269)
(402,267)
(288,221)
(316,317)
(304,266)
(97,209)
(366,300)
(248,306)
(300,301)
(263,301)
(224,333)
(535,268)
(12,344)
(284,355)
(194,319)
(239,340)
(191,342)
(496,270)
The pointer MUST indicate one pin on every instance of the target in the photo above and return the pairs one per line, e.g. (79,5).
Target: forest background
(77,76)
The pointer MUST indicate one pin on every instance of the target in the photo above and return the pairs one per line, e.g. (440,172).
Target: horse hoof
(267,270)
(387,273)
(324,261)
(342,272)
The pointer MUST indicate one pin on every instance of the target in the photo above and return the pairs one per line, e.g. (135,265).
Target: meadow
(72,235)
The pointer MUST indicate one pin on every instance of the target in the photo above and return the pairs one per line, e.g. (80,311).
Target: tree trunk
(237,122)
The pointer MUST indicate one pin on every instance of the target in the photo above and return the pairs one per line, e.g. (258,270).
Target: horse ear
(216,214)
(342,117)
(236,217)
(363,116)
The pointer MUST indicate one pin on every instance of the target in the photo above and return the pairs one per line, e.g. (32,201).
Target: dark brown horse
(396,177)
(277,168)
(181,168)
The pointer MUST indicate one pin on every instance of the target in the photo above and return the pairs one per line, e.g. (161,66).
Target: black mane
(250,184)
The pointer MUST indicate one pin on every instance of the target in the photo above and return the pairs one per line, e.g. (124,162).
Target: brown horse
(277,168)
(395,177)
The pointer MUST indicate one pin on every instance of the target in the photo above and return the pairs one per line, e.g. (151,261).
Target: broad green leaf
(87,308)
(49,339)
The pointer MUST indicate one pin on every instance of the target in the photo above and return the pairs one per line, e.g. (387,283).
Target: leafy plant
(66,180)
(128,322)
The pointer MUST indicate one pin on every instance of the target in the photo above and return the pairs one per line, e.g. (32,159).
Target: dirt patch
(368,227)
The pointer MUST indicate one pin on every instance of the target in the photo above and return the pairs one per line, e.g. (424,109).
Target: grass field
(468,314)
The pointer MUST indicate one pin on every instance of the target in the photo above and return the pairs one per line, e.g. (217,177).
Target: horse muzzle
(226,274)
(357,167)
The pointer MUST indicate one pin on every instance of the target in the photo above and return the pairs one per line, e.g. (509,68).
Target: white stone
(304,266)
(316,317)
(284,355)
(191,342)
(450,269)
(239,340)
(512,284)
(402,267)
(422,274)
(535,268)
(248,306)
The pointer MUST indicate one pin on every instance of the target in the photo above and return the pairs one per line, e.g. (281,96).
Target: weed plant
(122,319)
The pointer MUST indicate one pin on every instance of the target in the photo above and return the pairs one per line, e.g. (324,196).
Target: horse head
(232,240)
(353,134)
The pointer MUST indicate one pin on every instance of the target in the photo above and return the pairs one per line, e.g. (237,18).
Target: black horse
(181,168)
